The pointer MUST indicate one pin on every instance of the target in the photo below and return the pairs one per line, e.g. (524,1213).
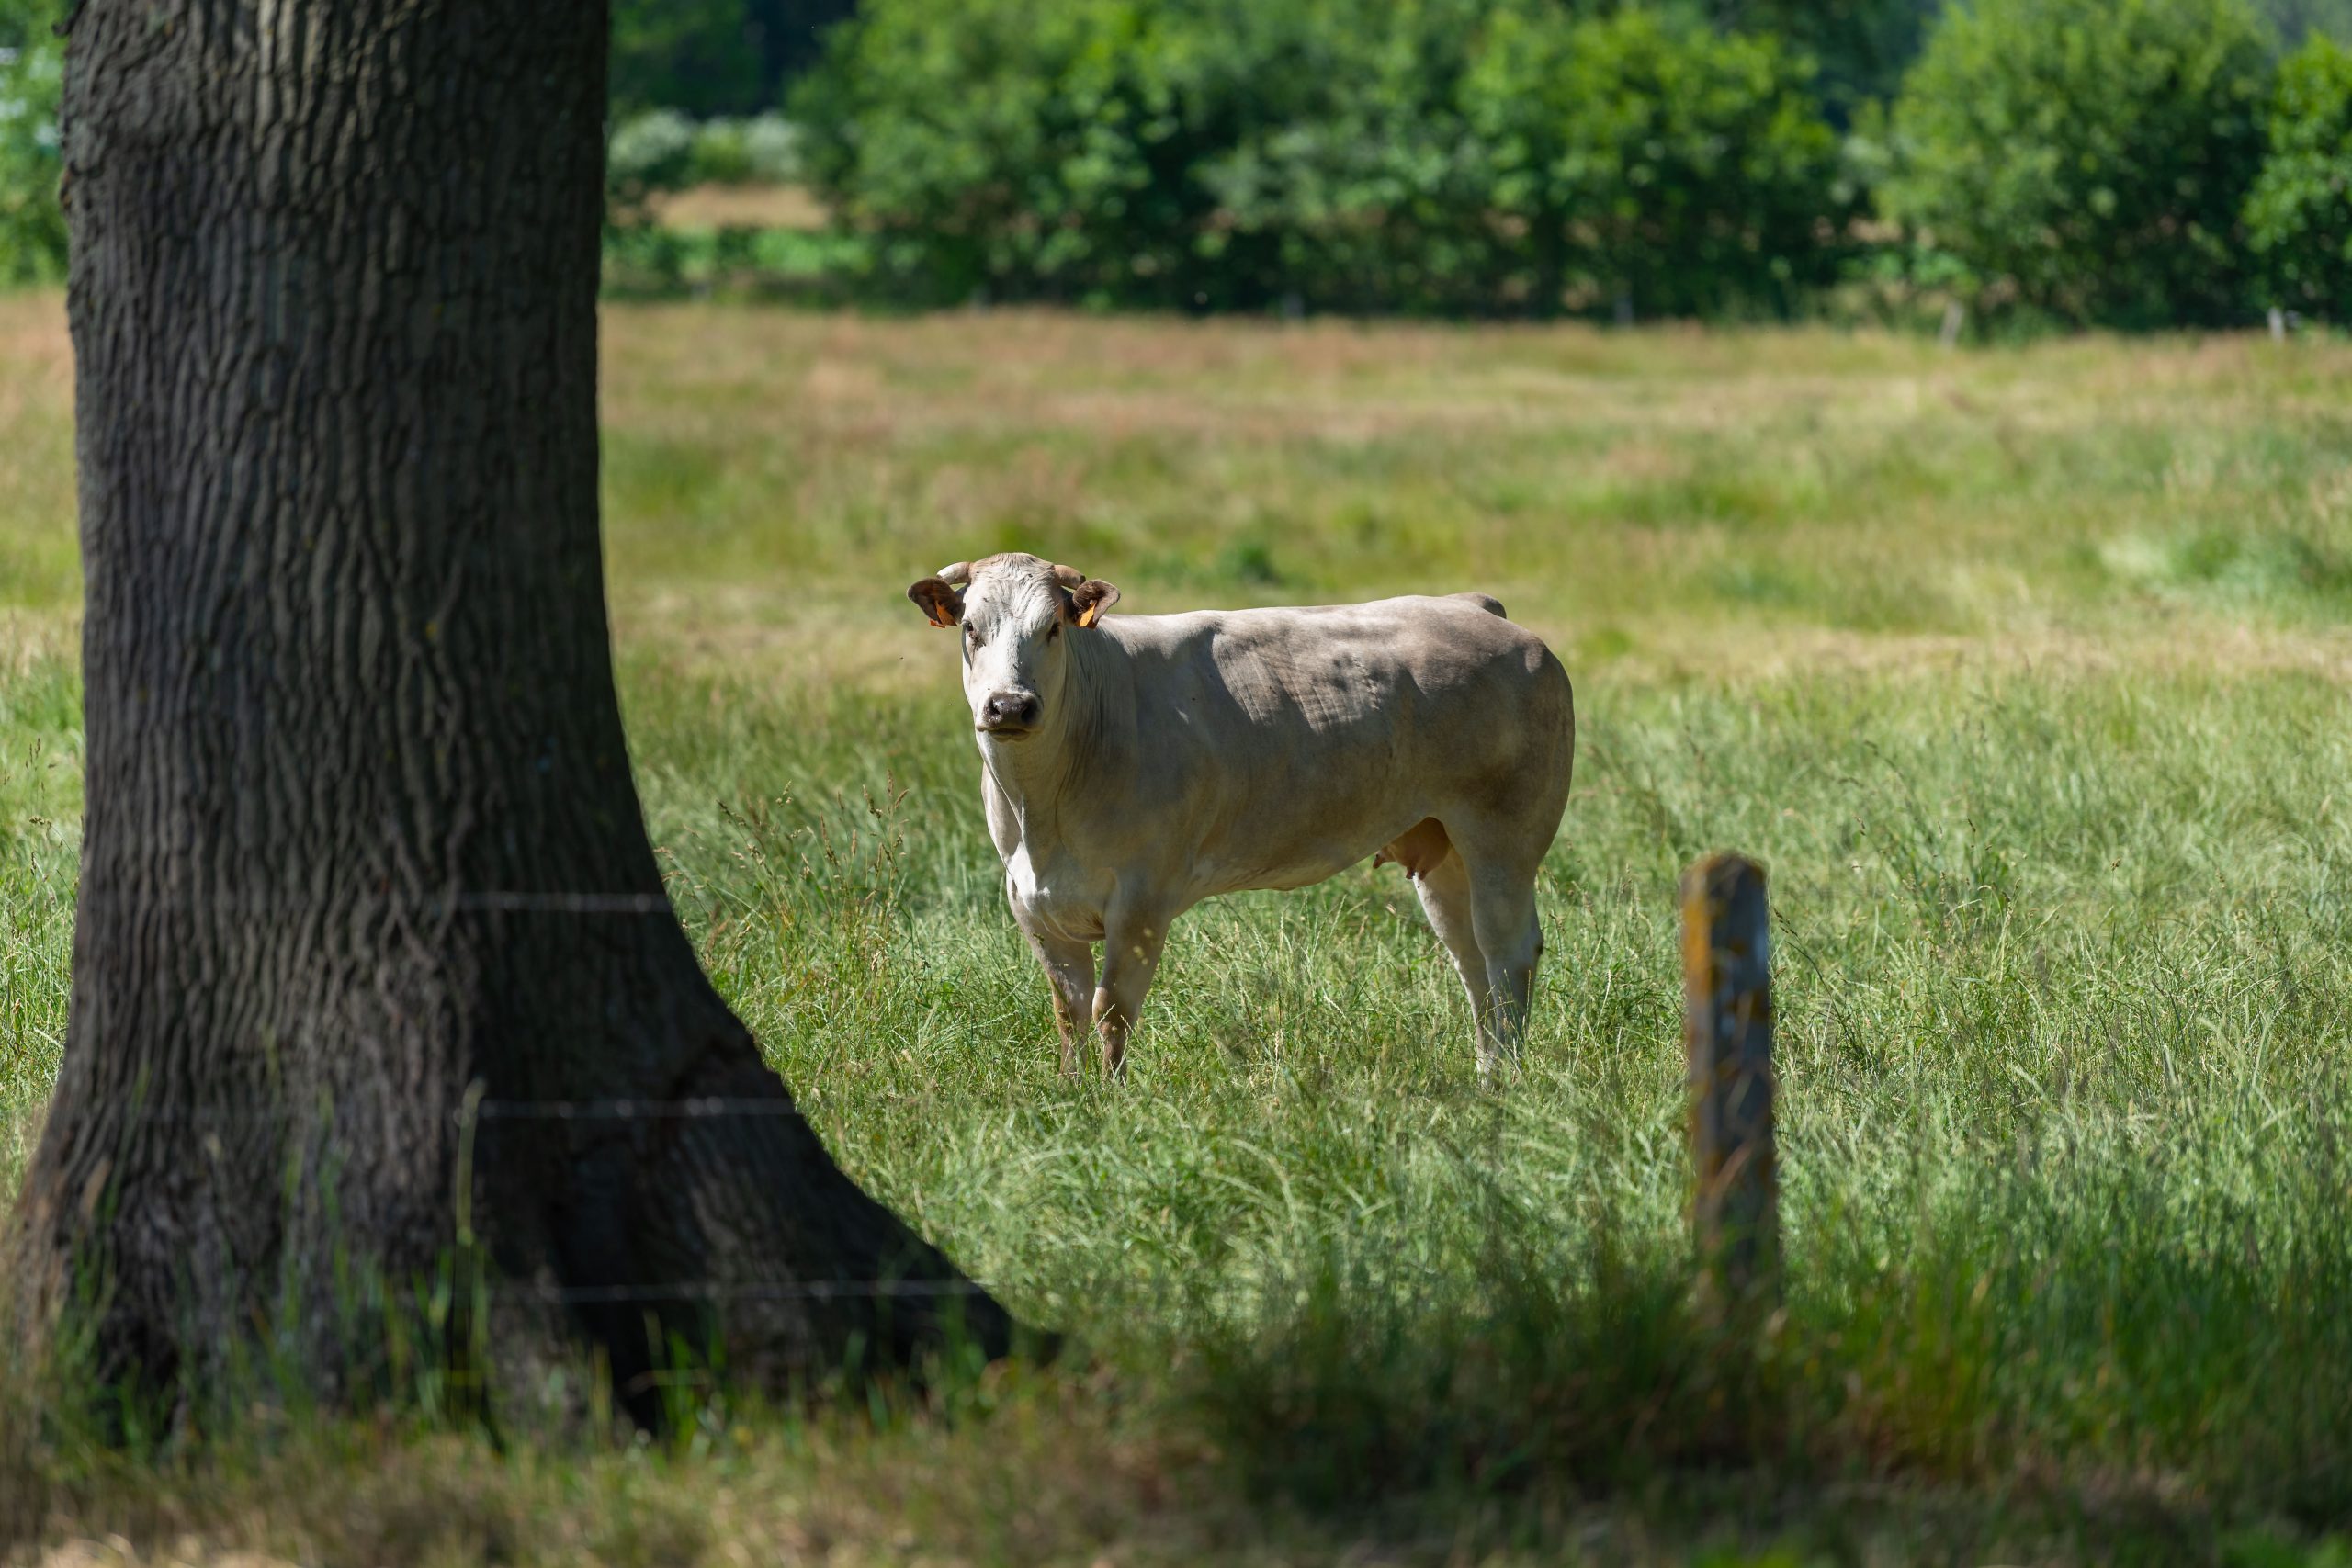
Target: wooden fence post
(1727,1026)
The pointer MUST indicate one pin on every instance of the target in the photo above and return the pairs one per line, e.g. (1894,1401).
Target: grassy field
(2028,672)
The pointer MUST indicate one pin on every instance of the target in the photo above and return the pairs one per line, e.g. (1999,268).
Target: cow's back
(1287,742)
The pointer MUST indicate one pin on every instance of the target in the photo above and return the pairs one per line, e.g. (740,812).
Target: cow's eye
(1053,631)
(972,634)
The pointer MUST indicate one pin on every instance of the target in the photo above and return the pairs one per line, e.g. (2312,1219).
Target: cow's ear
(935,599)
(1090,599)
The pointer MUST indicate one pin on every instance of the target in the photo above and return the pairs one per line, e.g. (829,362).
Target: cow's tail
(1486,602)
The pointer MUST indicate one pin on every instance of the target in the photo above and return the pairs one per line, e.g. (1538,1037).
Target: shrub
(1656,165)
(1007,146)
(1862,46)
(699,56)
(1399,154)
(649,153)
(772,147)
(1352,180)
(2299,218)
(2088,157)
(762,150)
(721,154)
(32,224)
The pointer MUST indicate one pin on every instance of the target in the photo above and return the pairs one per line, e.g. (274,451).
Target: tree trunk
(361,841)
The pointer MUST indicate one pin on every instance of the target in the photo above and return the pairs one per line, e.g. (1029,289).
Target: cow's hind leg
(1069,975)
(1444,888)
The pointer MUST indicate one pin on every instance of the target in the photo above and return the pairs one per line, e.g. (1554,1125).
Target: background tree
(791,35)
(2298,216)
(1656,163)
(1444,156)
(714,57)
(360,839)
(698,56)
(2297,20)
(1342,170)
(2088,156)
(998,145)
(32,225)
(1861,47)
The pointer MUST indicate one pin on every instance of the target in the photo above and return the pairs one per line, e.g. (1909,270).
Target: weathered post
(1727,1011)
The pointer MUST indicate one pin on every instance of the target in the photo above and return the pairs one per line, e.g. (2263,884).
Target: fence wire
(699,1108)
(495,901)
(467,1118)
(485,1110)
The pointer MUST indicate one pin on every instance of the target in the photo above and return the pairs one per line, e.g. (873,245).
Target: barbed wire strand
(712,1290)
(730,1290)
(702,1109)
(626,1110)
(492,901)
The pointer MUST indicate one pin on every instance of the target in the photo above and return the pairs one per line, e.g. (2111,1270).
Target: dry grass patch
(740,206)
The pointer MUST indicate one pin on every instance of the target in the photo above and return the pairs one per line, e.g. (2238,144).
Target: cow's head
(1017,616)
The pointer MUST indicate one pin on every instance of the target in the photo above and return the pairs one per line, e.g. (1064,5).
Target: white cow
(1137,765)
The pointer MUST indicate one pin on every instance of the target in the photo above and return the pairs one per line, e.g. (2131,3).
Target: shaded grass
(1028,1471)
(2024,671)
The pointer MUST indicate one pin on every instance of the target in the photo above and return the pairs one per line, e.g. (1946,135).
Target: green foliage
(2087,158)
(1862,46)
(721,154)
(1329,138)
(1043,150)
(2299,218)
(649,153)
(32,224)
(771,149)
(763,150)
(714,57)
(1657,163)
(662,150)
(1476,155)
(2295,21)
(653,261)
(697,56)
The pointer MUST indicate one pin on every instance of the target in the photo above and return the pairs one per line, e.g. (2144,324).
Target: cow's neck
(1077,744)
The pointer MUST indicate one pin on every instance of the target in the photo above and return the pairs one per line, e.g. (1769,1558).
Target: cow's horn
(1067,576)
(956,576)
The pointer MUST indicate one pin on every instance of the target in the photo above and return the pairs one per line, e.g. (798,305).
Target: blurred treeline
(2125,163)
(713,58)
(2133,164)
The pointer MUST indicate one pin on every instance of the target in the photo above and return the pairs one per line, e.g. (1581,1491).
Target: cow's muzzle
(1008,714)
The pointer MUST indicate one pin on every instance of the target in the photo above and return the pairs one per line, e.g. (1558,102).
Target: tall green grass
(2061,864)
(2062,983)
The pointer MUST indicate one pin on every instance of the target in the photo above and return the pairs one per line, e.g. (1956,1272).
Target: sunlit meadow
(2026,671)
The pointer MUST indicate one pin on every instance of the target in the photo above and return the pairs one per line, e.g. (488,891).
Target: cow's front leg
(1069,975)
(1132,940)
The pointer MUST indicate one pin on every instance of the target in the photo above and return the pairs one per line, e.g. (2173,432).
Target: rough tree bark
(361,835)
